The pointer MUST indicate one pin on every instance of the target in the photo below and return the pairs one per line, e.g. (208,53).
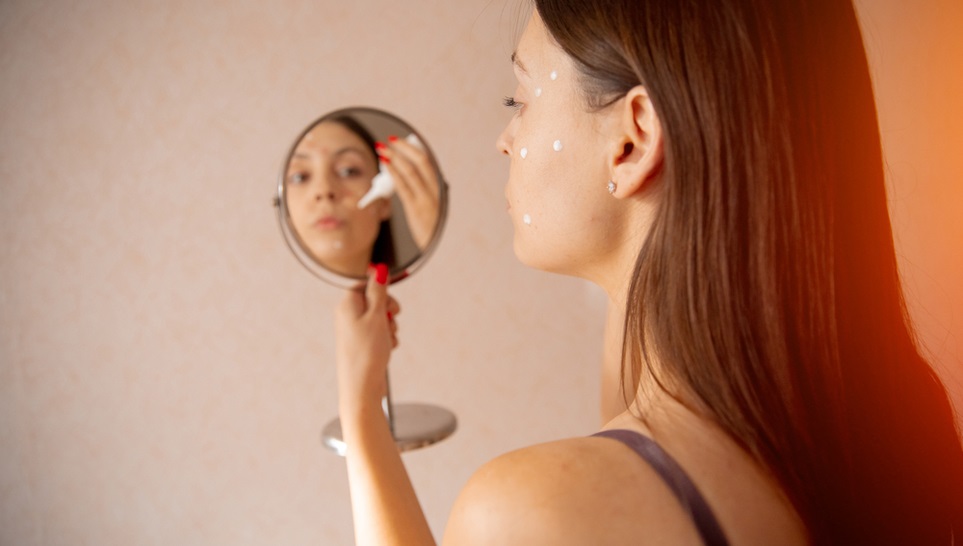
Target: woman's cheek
(532,209)
(521,189)
(353,195)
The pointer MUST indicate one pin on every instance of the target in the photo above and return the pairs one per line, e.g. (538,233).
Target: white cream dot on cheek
(557,146)
(553,75)
(527,219)
(538,91)
(523,152)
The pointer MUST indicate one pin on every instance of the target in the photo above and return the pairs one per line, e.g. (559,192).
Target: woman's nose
(504,141)
(325,189)
(324,194)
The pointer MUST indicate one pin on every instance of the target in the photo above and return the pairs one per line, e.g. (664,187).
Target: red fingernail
(384,159)
(392,138)
(381,274)
(379,145)
(390,316)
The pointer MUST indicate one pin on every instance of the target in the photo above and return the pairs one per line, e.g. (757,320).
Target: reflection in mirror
(360,186)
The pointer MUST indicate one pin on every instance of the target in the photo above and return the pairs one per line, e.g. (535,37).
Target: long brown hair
(768,285)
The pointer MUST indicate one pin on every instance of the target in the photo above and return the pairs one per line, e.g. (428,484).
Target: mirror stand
(413,425)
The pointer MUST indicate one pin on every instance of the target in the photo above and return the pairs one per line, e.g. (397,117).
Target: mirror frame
(294,243)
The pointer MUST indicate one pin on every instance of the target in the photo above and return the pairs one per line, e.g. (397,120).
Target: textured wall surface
(166,365)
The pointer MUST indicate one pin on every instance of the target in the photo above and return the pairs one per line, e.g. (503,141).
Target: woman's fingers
(378,300)
(407,179)
(404,186)
(419,160)
(415,172)
(393,309)
(416,183)
(352,305)
(393,328)
(393,306)
(376,292)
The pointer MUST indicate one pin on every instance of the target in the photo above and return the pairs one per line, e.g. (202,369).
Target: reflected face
(556,192)
(330,170)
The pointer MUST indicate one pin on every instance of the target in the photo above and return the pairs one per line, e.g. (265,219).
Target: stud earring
(612,187)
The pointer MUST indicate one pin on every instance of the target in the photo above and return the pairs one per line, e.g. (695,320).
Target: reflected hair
(767,291)
(383,250)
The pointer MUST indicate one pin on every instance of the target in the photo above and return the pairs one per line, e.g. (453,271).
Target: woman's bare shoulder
(575,491)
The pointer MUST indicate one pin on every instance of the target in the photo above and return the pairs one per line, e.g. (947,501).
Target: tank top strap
(678,481)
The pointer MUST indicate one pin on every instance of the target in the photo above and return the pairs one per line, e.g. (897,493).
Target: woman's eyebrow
(348,149)
(305,155)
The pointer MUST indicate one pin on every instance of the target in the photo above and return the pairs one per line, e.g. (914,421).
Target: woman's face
(331,169)
(557,185)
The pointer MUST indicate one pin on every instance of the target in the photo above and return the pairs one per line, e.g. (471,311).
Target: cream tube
(382,187)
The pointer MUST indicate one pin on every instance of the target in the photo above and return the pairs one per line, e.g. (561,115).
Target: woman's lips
(328,223)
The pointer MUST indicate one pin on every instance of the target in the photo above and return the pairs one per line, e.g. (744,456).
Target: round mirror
(361,186)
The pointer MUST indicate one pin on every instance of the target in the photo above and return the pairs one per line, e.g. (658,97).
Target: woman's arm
(384,505)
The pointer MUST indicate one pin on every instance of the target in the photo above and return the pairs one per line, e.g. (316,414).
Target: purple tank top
(677,480)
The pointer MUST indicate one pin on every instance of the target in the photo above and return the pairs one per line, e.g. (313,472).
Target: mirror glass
(361,186)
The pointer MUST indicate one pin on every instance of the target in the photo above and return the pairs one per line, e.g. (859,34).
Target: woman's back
(598,491)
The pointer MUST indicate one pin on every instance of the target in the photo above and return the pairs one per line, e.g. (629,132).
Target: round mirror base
(416,425)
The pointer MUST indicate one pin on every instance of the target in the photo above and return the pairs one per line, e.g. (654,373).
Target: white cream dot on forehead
(523,152)
(557,145)
(527,219)
(553,75)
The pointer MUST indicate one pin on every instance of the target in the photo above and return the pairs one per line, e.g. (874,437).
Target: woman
(715,166)
(330,170)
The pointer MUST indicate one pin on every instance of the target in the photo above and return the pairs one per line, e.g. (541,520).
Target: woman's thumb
(377,290)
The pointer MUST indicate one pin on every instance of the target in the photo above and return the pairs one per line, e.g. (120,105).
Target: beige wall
(166,365)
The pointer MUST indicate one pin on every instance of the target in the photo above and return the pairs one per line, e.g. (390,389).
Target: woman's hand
(384,506)
(416,183)
(366,332)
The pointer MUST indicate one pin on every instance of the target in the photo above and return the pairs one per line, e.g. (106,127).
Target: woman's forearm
(384,505)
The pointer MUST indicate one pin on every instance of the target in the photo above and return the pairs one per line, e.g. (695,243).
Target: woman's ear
(636,158)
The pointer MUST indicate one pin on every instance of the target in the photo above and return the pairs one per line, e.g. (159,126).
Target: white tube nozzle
(382,187)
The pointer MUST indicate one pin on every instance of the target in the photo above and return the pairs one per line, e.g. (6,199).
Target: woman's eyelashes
(510,102)
(349,172)
(297,178)
(345,173)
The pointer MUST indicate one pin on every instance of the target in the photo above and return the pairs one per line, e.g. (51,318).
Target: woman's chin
(534,258)
(338,259)
(558,262)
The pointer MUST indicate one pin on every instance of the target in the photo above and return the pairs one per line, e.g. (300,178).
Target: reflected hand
(366,333)
(416,183)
